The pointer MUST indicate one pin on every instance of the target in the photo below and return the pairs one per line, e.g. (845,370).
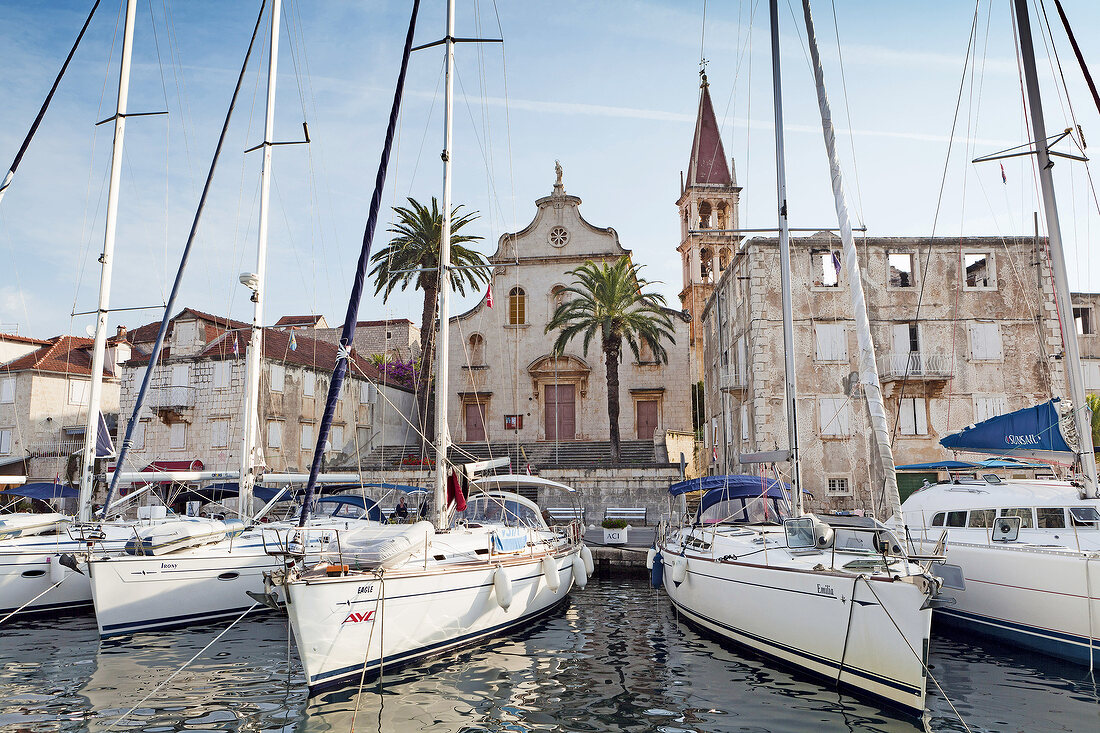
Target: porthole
(33,573)
(232,575)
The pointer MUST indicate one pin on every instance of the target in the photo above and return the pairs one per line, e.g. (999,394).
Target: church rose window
(559,236)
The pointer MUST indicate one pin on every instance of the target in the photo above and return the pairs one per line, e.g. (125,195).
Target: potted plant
(614,531)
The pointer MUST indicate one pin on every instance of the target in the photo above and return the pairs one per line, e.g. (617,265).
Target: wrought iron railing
(916,365)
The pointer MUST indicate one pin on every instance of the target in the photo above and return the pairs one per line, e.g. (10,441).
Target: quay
(627,557)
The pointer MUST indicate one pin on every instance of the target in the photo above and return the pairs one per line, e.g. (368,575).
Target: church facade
(508,384)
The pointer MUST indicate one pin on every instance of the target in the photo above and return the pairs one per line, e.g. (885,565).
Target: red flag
(489,296)
(454,492)
(1004,178)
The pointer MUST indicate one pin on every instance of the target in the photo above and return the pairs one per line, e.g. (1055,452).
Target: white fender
(503,588)
(649,558)
(586,556)
(57,570)
(580,574)
(550,572)
(679,570)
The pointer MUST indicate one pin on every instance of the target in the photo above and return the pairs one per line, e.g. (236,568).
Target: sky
(609,89)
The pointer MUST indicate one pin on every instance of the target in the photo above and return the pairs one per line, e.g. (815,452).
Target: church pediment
(564,365)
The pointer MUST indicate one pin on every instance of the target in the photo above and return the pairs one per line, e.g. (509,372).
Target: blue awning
(43,491)
(969,465)
(1032,431)
(736,485)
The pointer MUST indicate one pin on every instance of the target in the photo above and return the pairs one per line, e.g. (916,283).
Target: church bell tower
(708,204)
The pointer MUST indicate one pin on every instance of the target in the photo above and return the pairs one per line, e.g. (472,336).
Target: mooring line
(918,656)
(172,676)
(67,576)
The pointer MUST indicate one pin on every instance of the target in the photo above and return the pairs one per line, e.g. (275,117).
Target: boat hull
(1040,599)
(353,627)
(866,635)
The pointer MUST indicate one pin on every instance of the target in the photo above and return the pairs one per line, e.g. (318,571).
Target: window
(7,390)
(336,438)
(1051,517)
(177,436)
(900,265)
(704,214)
(219,433)
(729,425)
(278,377)
(825,268)
(368,393)
(985,342)
(1082,316)
(274,434)
(838,485)
(914,416)
(981,517)
(78,392)
(1084,516)
(5,441)
(222,372)
(937,521)
(309,384)
(1024,513)
(138,437)
(987,407)
(744,424)
(517,307)
(181,375)
(978,271)
(835,416)
(306,441)
(831,342)
(956,519)
(362,437)
(477,350)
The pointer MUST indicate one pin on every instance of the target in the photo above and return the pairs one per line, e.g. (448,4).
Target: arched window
(704,215)
(704,263)
(723,259)
(557,297)
(721,215)
(476,353)
(517,307)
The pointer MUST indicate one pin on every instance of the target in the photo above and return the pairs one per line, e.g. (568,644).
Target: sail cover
(1031,432)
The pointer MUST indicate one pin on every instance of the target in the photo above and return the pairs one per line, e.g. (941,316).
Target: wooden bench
(565,513)
(633,514)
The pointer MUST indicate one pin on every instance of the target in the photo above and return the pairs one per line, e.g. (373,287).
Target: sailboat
(1023,556)
(385,596)
(201,570)
(836,597)
(38,568)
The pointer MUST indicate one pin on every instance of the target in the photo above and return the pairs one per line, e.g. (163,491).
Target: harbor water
(615,659)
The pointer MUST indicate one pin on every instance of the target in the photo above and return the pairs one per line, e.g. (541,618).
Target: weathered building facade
(964,329)
(44,404)
(194,410)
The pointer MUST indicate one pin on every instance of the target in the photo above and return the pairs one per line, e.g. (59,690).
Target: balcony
(170,398)
(915,365)
(55,448)
(732,380)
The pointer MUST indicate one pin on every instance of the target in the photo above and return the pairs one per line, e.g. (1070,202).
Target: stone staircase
(586,454)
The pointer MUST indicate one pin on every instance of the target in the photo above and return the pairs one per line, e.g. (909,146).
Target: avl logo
(358,618)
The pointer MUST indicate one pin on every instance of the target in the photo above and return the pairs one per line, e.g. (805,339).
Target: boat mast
(1074,377)
(255,281)
(441,347)
(785,268)
(868,370)
(106,259)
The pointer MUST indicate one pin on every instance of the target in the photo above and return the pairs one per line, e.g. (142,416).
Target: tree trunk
(611,363)
(424,377)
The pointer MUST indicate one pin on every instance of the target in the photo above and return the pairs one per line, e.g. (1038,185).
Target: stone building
(44,402)
(964,329)
(507,385)
(196,401)
(395,338)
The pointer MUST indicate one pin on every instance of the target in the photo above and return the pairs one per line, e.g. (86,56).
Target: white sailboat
(388,595)
(1023,557)
(835,597)
(199,571)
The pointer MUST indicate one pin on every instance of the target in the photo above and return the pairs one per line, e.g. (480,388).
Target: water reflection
(617,659)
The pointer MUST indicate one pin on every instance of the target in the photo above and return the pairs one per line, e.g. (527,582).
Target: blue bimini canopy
(43,491)
(1032,432)
(734,485)
(939,466)
(334,506)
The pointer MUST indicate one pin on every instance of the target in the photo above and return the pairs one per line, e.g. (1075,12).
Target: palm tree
(412,258)
(611,299)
